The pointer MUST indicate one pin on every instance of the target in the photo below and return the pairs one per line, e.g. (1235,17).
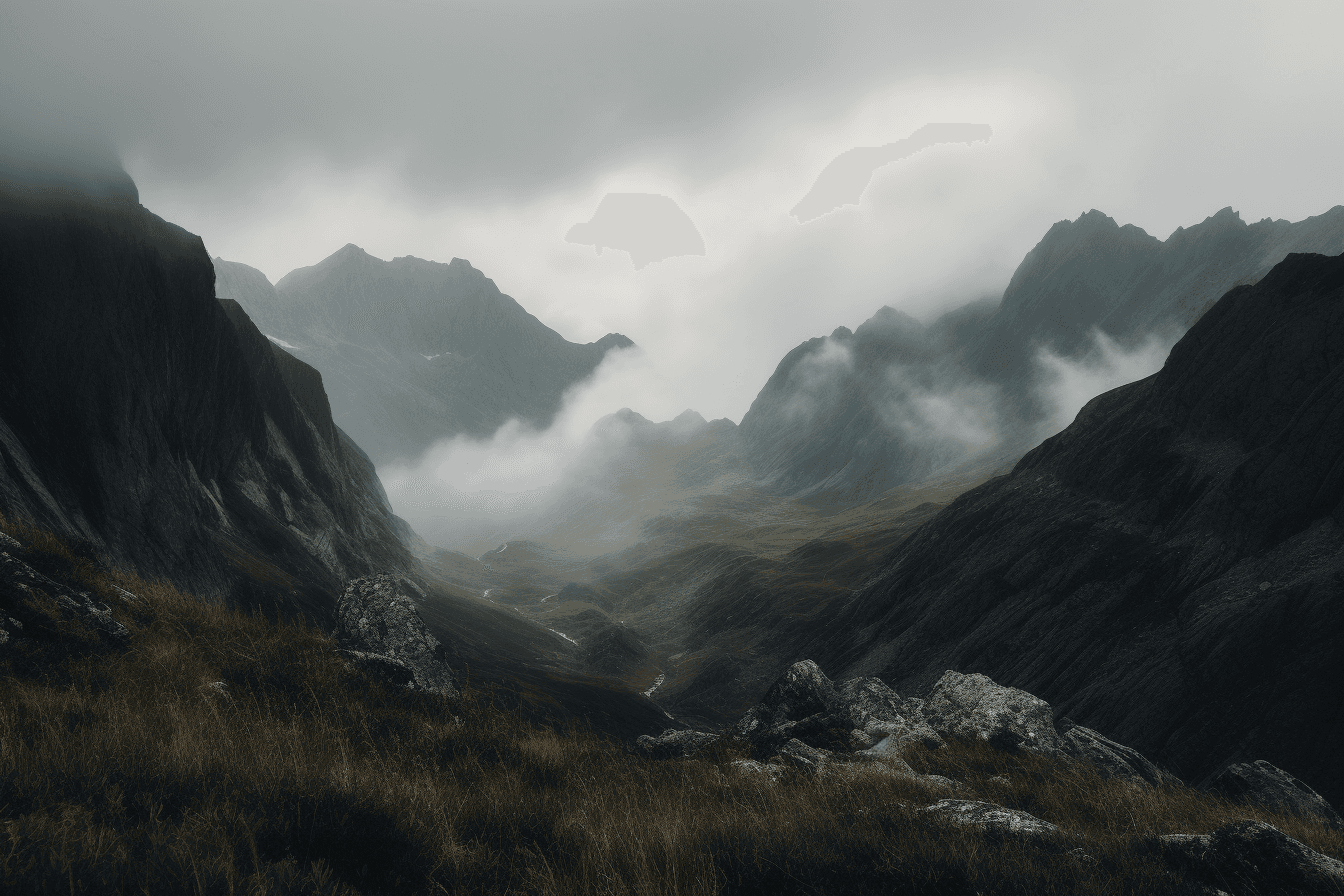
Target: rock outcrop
(992,818)
(856,413)
(140,414)
(414,351)
(1262,784)
(382,632)
(35,606)
(1251,858)
(974,707)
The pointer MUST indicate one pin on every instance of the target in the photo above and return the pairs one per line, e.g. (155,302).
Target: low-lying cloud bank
(1064,384)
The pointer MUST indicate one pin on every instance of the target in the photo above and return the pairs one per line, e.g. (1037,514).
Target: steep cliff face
(1170,568)
(413,351)
(141,414)
(857,413)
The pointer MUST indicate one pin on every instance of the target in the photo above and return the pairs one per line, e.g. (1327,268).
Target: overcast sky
(281,131)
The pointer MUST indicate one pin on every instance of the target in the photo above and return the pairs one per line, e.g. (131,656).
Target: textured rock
(392,671)
(973,706)
(771,772)
(143,415)
(377,615)
(413,351)
(1251,858)
(1114,759)
(803,691)
(1263,784)
(990,817)
(805,758)
(675,742)
(31,603)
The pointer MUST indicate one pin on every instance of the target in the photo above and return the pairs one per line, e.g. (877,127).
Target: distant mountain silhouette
(414,351)
(143,417)
(1169,568)
(854,414)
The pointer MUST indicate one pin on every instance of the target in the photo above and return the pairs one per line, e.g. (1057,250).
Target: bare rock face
(1116,760)
(378,620)
(675,742)
(1251,858)
(32,605)
(803,692)
(973,706)
(1264,784)
(991,817)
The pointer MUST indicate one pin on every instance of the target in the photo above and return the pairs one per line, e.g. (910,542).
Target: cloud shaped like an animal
(843,181)
(648,226)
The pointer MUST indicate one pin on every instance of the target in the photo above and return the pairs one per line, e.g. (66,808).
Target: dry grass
(124,771)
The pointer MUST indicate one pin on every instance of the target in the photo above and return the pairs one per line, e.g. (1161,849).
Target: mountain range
(414,351)
(853,414)
(1165,569)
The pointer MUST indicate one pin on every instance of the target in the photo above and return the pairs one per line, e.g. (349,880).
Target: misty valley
(323,585)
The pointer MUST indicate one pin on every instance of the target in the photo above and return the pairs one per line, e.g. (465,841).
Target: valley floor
(212,751)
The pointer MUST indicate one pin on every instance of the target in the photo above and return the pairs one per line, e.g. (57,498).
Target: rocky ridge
(851,415)
(414,351)
(1168,568)
(144,417)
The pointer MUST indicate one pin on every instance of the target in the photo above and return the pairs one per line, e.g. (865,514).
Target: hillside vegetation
(216,751)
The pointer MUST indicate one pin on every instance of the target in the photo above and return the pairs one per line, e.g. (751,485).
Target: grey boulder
(1251,858)
(990,817)
(674,743)
(1113,759)
(974,707)
(1263,784)
(377,620)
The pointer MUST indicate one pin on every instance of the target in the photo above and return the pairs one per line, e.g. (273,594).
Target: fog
(1066,384)
(279,133)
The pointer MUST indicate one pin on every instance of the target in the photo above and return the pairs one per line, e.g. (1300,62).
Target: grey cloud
(843,181)
(648,226)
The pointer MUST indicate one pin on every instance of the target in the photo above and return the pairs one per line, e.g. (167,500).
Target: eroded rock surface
(382,631)
(1264,784)
(1116,760)
(992,817)
(973,706)
(1251,858)
(33,605)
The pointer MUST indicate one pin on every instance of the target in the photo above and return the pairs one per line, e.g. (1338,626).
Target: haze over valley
(432,437)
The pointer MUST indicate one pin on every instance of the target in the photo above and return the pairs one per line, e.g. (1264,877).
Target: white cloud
(1066,384)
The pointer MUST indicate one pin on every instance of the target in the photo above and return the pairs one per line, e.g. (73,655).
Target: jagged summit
(414,351)
(1169,566)
(903,401)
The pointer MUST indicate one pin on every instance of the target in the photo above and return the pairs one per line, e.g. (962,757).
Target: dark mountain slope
(413,351)
(1170,568)
(141,415)
(894,402)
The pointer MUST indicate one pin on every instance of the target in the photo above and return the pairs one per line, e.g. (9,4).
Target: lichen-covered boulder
(1263,784)
(973,706)
(1113,759)
(802,693)
(377,617)
(675,742)
(991,817)
(1251,857)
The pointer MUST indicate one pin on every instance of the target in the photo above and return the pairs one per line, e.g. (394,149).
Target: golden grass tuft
(126,771)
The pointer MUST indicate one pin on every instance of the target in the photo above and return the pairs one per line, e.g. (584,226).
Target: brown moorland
(225,752)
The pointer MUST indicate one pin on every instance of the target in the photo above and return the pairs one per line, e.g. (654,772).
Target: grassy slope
(123,770)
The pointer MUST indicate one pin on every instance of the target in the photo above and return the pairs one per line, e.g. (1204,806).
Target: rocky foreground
(861,727)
